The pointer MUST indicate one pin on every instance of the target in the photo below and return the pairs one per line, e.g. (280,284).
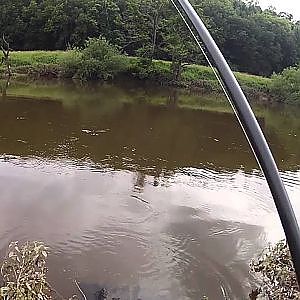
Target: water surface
(149,192)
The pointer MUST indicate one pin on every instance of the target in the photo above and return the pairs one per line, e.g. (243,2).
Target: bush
(277,272)
(71,64)
(148,69)
(286,86)
(24,272)
(100,60)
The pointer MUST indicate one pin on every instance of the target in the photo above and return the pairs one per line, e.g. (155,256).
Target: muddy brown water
(138,193)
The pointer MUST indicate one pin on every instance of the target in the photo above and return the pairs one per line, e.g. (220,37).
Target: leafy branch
(24,274)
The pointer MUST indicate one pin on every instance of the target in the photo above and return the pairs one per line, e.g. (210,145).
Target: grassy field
(31,62)
(29,58)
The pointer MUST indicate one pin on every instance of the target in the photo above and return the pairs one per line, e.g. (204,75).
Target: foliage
(286,86)
(253,40)
(278,275)
(71,63)
(24,272)
(98,60)
(147,69)
(181,50)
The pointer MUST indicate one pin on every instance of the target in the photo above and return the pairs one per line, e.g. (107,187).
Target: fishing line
(203,52)
(218,77)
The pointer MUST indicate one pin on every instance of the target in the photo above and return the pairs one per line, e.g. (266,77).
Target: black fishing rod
(252,132)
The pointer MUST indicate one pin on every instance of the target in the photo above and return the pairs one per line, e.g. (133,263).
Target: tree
(179,44)
(286,86)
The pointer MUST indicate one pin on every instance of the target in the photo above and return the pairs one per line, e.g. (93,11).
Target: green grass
(253,81)
(203,76)
(193,75)
(196,73)
(29,58)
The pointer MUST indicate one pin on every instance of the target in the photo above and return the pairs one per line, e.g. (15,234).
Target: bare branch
(6,57)
(7,43)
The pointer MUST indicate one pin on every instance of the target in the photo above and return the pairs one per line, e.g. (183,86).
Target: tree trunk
(176,71)
(6,55)
(155,28)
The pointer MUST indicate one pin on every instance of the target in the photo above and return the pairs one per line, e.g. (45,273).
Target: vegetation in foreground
(24,274)
(277,273)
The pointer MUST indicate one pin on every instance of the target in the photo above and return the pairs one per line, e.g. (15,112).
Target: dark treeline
(253,40)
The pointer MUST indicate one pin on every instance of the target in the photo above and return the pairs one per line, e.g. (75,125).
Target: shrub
(100,60)
(286,86)
(24,272)
(71,64)
(278,275)
(145,68)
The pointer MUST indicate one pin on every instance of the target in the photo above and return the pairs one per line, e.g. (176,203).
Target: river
(149,192)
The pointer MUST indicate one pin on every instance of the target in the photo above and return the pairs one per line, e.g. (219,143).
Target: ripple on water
(291,179)
(131,228)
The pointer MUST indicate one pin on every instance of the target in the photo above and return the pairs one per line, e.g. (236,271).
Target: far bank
(62,64)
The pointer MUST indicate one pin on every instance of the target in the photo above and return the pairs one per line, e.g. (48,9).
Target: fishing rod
(251,128)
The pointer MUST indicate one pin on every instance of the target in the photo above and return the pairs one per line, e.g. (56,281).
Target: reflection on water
(4,84)
(137,193)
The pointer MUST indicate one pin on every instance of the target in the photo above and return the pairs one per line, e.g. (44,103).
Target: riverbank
(50,64)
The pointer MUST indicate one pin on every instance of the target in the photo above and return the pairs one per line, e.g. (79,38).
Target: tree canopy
(253,40)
